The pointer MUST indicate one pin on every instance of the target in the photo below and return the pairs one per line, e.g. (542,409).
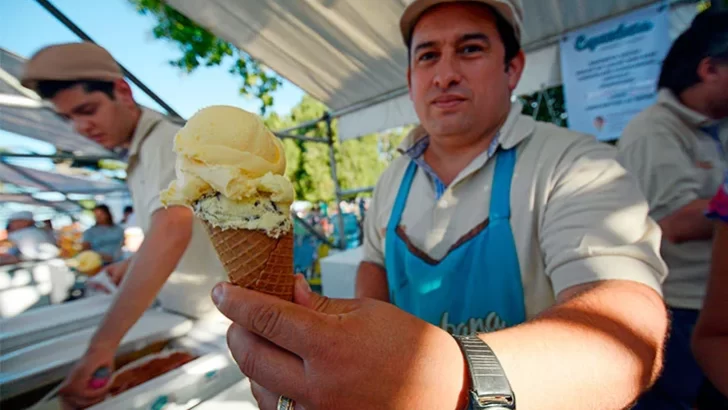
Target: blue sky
(116,25)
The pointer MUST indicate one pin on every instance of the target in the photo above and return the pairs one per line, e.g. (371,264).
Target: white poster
(610,70)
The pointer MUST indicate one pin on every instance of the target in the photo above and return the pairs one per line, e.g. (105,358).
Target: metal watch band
(491,389)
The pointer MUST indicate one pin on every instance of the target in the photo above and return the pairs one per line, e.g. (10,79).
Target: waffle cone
(256,261)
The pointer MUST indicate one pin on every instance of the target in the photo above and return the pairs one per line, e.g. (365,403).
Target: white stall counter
(49,361)
(29,285)
(37,325)
(237,397)
(338,273)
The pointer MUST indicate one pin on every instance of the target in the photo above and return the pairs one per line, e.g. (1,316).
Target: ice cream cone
(256,261)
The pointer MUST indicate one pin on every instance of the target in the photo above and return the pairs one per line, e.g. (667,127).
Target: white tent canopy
(52,182)
(60,206)
(349,53)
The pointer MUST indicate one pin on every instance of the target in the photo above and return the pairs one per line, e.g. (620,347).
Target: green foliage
(359,161)
(199,47)
(555,96)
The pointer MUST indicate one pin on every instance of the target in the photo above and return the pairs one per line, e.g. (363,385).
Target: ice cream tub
(210,372)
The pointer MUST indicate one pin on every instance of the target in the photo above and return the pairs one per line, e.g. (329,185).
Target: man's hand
(89,381)
(341,354)
(116,271)
(687,223)
(371,282)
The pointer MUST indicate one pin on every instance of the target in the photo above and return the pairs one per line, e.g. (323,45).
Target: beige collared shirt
(151,169)
(577,216)
(676,162)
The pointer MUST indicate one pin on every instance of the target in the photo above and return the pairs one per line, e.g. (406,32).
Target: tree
(359,161)
(554,96)
(200,47)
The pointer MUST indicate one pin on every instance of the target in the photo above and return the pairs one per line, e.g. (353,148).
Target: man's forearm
(607,340)
(371,282)
(710,338)
(688,223)
(712,355)
(148,271)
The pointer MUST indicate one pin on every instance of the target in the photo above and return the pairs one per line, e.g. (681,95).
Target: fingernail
(218,293)
(302,283)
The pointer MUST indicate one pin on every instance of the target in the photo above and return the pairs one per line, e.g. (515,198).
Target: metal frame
(339,194)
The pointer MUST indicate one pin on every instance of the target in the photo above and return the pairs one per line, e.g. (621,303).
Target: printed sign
(610,70)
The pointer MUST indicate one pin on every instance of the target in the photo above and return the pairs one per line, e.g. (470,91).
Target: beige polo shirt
(577,216)
(151,169)
(662,146)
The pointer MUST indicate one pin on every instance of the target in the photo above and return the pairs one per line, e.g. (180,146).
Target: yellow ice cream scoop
(87,262)
(227,150)
(230,170)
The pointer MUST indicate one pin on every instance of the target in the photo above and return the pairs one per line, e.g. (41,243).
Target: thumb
(304,296)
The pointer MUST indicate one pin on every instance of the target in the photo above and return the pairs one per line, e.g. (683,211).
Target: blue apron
(477,286)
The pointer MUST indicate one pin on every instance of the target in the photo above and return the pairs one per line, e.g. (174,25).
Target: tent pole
(77,31)
(313,231)
(550,106)
(334,176)
(538,104)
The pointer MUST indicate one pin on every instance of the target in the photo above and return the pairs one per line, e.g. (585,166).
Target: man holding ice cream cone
(527,242)
(176,263)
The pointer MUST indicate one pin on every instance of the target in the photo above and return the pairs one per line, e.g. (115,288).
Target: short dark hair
(105,209)
(707,37)
(48,89)
(505,31)
(128,209)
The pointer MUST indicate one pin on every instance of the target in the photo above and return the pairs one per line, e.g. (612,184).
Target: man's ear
(514,69)
(123,92)
(706,70)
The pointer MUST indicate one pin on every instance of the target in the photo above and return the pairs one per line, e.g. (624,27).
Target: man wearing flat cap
(514,262)
(176,262)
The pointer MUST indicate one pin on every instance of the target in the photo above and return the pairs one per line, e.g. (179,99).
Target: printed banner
(610,70)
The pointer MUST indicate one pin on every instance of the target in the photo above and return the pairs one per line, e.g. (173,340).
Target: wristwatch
(490,387)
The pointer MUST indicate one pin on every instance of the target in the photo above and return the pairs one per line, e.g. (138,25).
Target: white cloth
(34,244)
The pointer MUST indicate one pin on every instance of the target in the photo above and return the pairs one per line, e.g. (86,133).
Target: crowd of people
(31,240)
(574,273)
(27,241)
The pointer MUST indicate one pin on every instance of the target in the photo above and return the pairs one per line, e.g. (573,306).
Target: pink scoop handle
(99,378)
